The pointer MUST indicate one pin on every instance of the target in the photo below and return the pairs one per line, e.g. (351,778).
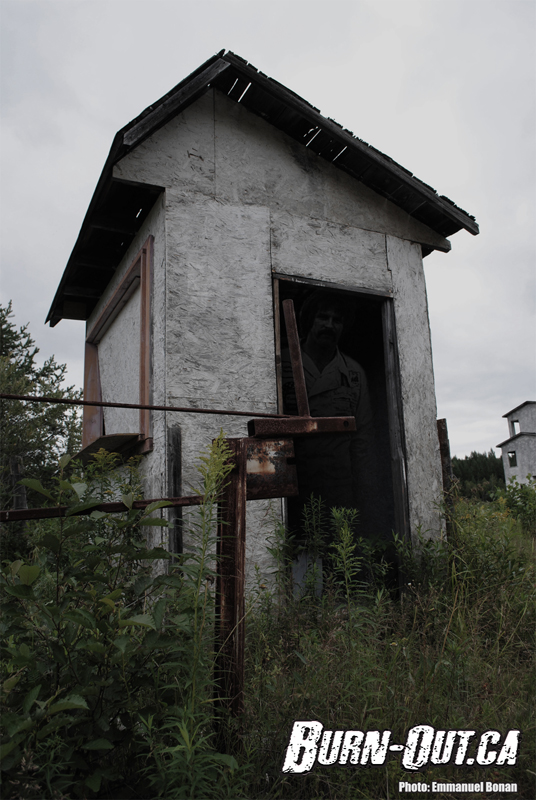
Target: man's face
(327,326)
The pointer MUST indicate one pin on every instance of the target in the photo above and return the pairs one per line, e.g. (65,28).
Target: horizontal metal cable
(99,403)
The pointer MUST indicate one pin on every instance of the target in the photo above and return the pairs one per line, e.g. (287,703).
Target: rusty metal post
(230,588)
(296,359)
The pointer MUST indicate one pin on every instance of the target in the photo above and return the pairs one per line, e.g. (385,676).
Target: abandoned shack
(225,197)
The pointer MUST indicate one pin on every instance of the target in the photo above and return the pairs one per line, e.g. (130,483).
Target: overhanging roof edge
(198,82)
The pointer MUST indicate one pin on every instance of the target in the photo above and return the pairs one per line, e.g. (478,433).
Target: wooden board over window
(138,276)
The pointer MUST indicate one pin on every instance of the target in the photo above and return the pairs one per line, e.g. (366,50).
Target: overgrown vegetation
(32,435)
(455,652)
(479,475)
(107,684)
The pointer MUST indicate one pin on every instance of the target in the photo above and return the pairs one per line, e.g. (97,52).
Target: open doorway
(368,338)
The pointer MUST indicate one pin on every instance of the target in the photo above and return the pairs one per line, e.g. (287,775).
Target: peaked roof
(118,209)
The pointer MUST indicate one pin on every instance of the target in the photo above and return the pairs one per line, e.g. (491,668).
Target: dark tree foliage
(479,475)
(32,435)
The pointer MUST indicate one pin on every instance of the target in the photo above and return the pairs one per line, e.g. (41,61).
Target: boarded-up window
(118,359)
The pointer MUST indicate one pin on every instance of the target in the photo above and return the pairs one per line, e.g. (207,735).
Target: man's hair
(319,300)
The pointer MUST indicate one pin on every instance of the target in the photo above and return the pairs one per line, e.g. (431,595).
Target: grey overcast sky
(445,88)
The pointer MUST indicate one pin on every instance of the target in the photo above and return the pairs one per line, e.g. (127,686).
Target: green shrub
(520,499)
(107,681)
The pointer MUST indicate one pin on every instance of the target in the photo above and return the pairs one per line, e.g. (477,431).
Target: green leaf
(74,701)
(21,590)
(11,682)
(24,650)
(94,781)
(98,744)
(81,617)
(80,507)
(141,584)
(33,483)
(223,758)
(154,521)
(51,542)
(79,488)
(158,504)
(97,514)
(145,620)
(96,647)
(14,567)
(128,499)
(158,613)
(30,698)
(8,747)
(64,460)
(29,575)
(121,643)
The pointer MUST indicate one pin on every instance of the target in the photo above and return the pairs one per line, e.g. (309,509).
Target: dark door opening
(368,338)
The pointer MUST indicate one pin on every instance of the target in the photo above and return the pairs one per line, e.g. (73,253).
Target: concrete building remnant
(519,450)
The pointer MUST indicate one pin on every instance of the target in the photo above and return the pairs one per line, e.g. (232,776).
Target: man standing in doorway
(333,467)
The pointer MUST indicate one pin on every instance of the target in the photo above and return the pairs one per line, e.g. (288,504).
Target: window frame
(138,275)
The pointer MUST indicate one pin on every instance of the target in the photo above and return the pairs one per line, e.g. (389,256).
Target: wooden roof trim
(165,111)
(346,137)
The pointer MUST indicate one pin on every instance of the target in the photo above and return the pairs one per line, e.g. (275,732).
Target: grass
(454,652)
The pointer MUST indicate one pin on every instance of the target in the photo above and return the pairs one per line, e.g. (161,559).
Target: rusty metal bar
(295,358)
(300,426)
(148,407)
(230,587)
(111,508)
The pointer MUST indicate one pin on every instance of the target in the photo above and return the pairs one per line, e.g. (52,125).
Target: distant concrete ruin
(519,451)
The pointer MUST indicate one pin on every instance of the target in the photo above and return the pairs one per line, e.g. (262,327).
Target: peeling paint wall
(244,201)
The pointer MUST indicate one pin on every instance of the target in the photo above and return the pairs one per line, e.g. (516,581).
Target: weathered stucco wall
(417,385)
(244,201)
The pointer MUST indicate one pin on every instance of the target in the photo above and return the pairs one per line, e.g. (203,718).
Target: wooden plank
(277,335)
(357,290)
(162,113)
(146,338)
(296,359)
(396,426)
(92,416)
(446,470)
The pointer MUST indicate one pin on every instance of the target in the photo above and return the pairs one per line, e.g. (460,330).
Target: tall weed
(455,650)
